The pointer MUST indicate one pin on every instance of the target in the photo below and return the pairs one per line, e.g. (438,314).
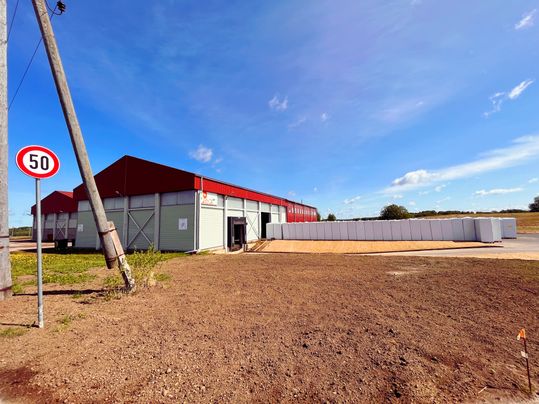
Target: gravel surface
(284,327)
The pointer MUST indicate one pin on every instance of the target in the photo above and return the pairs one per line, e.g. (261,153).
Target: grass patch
(162,277)
(65,321)
(12,332)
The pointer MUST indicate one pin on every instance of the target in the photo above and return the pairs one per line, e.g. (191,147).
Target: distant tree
(534,206)
(318,217)
(391,212)
(331,217)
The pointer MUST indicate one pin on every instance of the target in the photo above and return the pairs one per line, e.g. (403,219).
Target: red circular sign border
(27,149)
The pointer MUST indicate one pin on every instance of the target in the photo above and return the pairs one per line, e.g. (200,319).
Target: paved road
(26,245)
(526,246)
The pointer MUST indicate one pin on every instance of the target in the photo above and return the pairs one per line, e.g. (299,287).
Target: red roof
(57,202)
(133,176)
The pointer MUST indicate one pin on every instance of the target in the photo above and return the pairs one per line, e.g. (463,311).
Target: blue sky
(347,106)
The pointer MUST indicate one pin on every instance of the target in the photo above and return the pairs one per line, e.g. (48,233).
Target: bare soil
(283,327)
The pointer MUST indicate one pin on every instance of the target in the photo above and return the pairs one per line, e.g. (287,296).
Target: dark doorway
(265,218)
(237,227)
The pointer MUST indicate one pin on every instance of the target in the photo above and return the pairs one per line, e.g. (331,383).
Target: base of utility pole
(124,267)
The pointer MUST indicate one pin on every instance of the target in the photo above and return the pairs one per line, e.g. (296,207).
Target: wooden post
(77,141)
(5,267)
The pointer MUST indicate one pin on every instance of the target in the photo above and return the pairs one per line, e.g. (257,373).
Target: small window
(113,203)
(252,205)
(169,198)
(142,201)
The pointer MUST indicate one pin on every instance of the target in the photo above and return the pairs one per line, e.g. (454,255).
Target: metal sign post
(40,321)
(38,162)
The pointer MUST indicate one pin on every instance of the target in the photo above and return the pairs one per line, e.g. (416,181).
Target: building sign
(80,227)
(209,199)
(182,223)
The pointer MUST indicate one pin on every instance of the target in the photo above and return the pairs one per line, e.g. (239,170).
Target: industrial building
(171,209)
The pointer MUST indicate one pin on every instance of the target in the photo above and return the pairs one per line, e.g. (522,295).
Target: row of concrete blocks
(487,230)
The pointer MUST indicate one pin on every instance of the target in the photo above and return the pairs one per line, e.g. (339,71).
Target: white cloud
(315,189)
(291,193)
(533,180)
(424,192)
(352,200)
(397,196)
(515,92)
(324,117)
(278,105)
(527,20)
(439,188)
(202,154)
(522,149)
(300,121)
(500,97)
(412,203)
(497,191)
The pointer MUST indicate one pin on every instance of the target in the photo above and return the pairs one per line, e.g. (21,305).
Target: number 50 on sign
(37,162)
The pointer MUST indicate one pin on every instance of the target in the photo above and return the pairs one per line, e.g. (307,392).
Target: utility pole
(113,254)
(5,266)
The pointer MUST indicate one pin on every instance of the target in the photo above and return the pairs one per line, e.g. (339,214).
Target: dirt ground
(362,247)
(283,327)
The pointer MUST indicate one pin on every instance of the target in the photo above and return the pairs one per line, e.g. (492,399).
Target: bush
(534,206)
(392,212)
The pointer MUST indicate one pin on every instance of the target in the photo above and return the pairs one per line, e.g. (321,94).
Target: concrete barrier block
(343,230)
(269,231)
(377,227)
(468,224)
(286,231)
(386,230)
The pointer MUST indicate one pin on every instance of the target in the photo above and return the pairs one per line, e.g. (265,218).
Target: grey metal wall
(171,237)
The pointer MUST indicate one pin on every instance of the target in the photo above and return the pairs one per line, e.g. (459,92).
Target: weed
(12,332)
(162,277)
(17,288)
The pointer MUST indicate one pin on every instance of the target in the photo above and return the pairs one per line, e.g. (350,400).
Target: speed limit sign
(38,162)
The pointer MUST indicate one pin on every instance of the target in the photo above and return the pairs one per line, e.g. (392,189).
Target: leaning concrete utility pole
(112,255)
(5,266)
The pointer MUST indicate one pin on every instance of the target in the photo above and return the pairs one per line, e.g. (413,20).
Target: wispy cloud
(412,203)
(324,117)
(498,99)
(202,154)
(497,191)
(523,149)
(398,196)
(527,20)
(401,111)
(277,104)
(515,92)
(297,123)
(352,200)
(440,188)
(533,180)
(291,193)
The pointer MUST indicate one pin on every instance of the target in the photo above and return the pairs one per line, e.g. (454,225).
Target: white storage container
(352,230)
(458,229)
(509,227)
(447,230)
(415,229)
(396,233)
(436,229)
(426,233)
(468,223)
(360,230)
(487,230)
(386,230)
(497,228)
(369,230)
(406,230)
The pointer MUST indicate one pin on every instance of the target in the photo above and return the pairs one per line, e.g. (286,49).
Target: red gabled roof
(133,176)
(57,202)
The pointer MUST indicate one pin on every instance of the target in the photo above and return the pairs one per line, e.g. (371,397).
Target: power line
(30,63)
(12,20)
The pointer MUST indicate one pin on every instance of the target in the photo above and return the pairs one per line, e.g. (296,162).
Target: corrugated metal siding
(86,238)
(274,218)
(139,242)
(118,219)
(234,213)
(171,237)
(211,228)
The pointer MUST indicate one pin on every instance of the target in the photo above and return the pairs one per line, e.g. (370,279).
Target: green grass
(12,332)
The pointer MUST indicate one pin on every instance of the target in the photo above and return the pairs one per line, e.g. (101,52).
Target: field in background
(527,222)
